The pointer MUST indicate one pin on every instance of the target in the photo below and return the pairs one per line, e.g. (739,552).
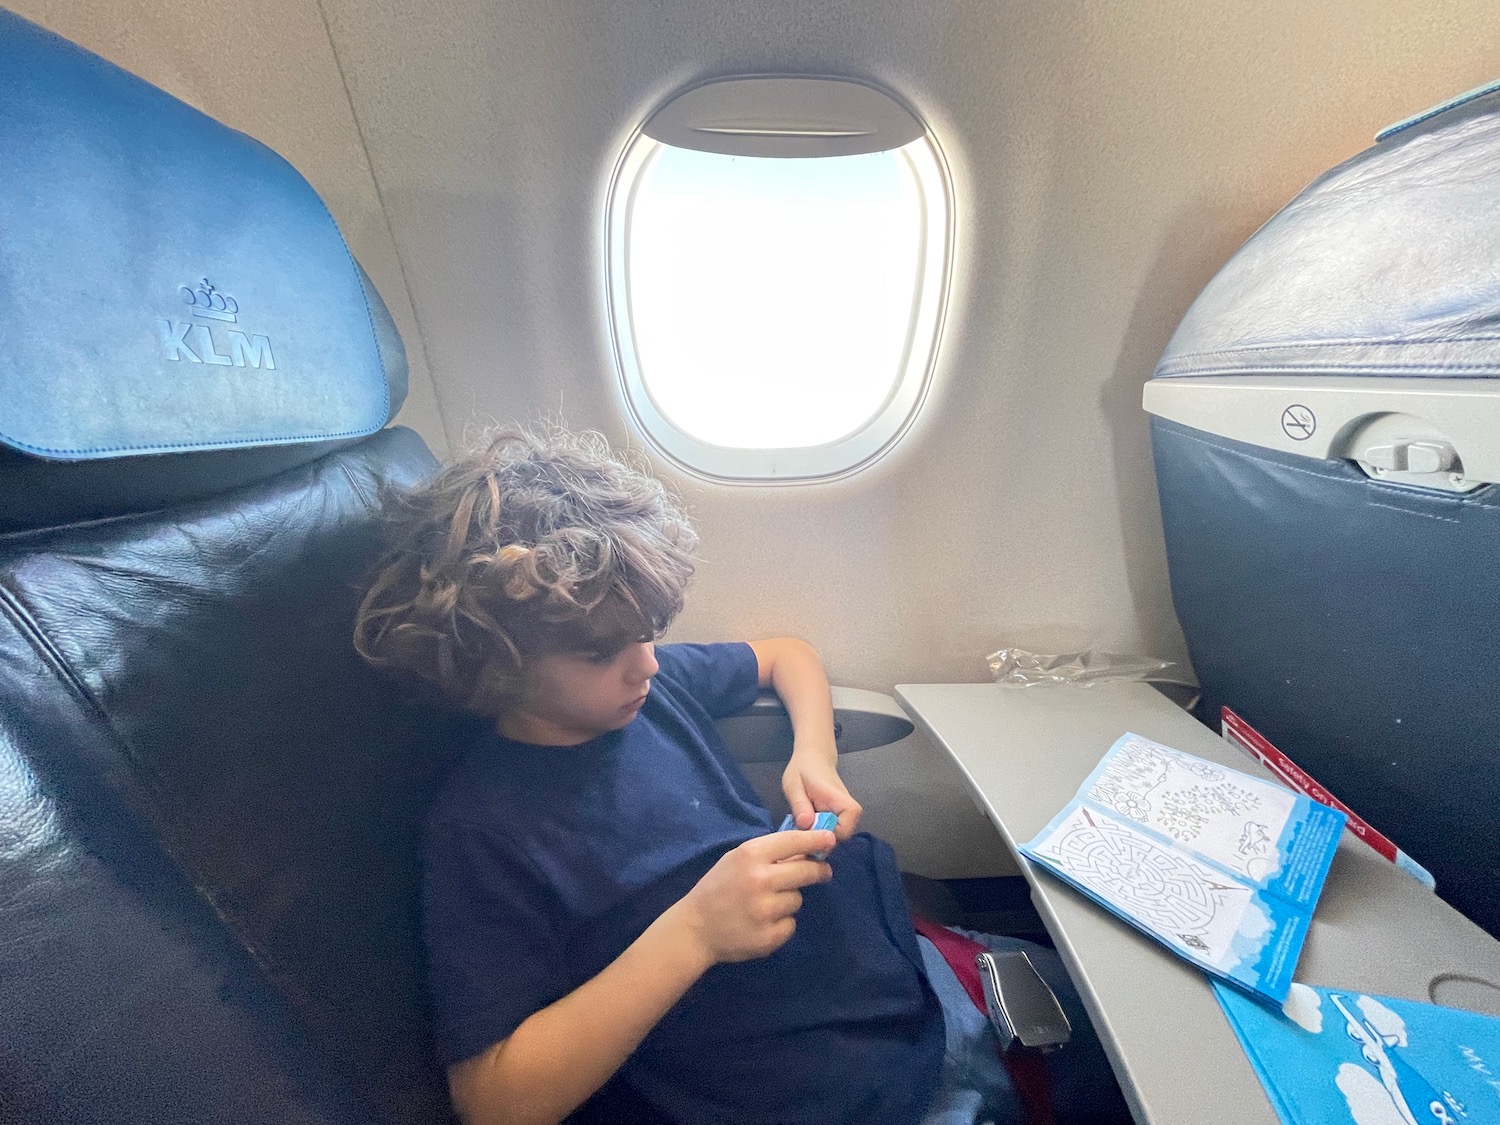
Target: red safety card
(1289,773)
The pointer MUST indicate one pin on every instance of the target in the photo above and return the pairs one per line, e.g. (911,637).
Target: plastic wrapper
(1020,668)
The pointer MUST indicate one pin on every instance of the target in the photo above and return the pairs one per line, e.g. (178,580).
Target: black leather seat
(210,809)
(209,806)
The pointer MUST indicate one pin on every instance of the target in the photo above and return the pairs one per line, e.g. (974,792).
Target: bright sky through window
(772,301)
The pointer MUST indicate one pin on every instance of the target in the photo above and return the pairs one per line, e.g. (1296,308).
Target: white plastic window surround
(739,372)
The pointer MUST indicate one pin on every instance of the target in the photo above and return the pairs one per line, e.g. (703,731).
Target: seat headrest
(168,284)
(1388,264)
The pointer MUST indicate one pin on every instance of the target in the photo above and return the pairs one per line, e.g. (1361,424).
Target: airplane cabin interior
(1062,372)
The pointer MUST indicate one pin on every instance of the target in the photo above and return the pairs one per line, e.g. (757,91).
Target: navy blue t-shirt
(545,862)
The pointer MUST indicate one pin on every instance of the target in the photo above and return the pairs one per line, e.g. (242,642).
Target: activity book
(1220,867)
(1338,1055)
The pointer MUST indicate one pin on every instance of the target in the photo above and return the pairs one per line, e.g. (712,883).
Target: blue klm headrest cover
(166,283)
(1387,265)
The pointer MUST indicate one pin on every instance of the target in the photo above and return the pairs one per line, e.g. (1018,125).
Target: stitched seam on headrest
(1336,342)
(1481,370)
(278,439)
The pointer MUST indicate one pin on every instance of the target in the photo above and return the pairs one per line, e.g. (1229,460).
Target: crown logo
(209,303)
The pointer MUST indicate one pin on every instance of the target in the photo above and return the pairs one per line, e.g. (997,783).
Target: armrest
(862,720)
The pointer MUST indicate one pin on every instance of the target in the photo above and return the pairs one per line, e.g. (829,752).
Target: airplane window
(775,309)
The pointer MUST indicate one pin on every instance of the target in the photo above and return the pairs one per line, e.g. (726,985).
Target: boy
(603,889)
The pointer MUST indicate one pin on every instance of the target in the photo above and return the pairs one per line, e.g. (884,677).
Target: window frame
(832,460)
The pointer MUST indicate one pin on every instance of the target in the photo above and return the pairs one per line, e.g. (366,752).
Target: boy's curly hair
(535,543)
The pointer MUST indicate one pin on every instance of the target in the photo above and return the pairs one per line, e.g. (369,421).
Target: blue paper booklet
(1222,868)
(1337,1055)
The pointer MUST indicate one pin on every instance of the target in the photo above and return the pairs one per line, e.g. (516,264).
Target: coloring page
(1221,814)
(1186,904)
(1222,868)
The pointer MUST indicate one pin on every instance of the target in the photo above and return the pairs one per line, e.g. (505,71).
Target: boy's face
(572,697)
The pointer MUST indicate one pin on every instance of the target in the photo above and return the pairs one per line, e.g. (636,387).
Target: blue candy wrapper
(826,820)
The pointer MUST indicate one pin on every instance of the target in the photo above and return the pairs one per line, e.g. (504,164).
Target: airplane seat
(1326,431)
(209,806)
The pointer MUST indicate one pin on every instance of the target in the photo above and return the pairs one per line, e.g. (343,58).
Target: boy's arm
(811,782)
(741,909)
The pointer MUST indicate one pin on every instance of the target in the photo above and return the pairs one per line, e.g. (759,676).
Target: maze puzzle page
(1221,867)
(1188,905)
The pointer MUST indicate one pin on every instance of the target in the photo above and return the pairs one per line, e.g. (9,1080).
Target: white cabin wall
(268,69)
(1106,160)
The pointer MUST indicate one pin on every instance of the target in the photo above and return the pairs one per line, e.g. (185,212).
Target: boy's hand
(812,785)
(743,907)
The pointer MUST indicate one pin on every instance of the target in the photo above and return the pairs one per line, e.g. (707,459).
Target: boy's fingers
(798,803)
(775,846)
(802,811)
(848,820)
(794,873)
